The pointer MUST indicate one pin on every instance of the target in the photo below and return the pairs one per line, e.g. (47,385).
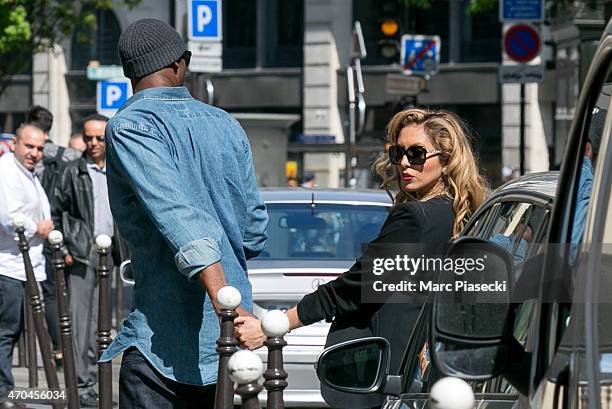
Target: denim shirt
(183,193)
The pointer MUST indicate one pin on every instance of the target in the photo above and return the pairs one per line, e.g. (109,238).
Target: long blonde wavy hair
(461,181)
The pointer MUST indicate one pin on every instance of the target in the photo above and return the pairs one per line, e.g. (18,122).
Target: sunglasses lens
(416,155)
(395,154)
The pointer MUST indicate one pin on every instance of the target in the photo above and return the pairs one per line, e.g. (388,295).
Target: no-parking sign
(522,43)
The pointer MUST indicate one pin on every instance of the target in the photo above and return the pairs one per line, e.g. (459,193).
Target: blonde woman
(430,163)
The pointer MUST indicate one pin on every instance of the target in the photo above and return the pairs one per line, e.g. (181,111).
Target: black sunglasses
(187,57)
(89,138)
(416,155)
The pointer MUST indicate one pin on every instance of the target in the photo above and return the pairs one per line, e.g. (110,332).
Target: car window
(572,319)
(323,231)
(515,227)
(482,222)
(603,266)
(594,254)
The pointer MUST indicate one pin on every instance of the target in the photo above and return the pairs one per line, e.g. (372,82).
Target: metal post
(229,298)
(21,343)
(245,368)
(38,315)
(118,299)
(32,359)
(65,324)
(275,325)
(522,131)
(105,374)
(350,142)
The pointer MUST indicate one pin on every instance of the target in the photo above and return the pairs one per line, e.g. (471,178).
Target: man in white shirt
(20,194)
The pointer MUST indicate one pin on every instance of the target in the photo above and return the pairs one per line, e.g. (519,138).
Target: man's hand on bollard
(43,228)
(248,332)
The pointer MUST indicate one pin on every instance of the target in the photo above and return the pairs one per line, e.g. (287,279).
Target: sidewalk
(21,379)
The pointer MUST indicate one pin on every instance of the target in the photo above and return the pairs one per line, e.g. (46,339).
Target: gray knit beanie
(148,45)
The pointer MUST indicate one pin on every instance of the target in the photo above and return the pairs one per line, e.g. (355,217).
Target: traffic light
(389,30)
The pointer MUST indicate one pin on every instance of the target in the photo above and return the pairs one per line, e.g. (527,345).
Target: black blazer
(429,223)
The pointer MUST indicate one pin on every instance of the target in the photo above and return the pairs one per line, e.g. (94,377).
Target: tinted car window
(513,225)
(334,231)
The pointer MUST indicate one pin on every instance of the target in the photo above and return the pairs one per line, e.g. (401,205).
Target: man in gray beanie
(183,193)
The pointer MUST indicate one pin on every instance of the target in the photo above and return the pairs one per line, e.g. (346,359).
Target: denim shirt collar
(160,93)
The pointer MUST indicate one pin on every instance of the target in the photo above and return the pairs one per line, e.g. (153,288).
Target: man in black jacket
(81,210)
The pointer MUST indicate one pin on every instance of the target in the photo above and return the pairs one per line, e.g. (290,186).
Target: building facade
(284,77)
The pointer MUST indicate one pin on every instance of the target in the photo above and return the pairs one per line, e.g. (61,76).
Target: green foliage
(474,7)
(479,6)
(29,26)
(422,4)
(14,27)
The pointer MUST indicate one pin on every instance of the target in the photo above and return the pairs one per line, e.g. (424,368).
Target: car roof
(325,195)
(539,184)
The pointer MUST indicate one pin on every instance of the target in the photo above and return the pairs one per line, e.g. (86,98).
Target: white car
(313,236)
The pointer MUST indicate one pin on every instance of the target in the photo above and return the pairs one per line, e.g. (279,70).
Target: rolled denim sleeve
(137,151)
(257,222)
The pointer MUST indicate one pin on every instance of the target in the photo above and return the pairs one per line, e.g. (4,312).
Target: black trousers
(11,303)
(141,386)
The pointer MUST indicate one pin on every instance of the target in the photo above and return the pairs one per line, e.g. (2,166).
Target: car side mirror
(126,273)
(470,330)
(356,366)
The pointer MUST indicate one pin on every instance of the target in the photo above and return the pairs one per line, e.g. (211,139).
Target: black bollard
(38,315)
(105,374)
(65,324)
(275,325)
(21,345)
(30,341)
(229,298)
(245,368)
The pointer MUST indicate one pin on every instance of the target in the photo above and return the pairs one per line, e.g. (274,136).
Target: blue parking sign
(111,95)
(420,54)
(204,20)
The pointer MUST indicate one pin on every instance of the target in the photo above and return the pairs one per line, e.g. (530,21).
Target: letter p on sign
(111,95)
(204,18)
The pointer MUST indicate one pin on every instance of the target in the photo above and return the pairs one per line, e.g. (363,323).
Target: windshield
(328,231)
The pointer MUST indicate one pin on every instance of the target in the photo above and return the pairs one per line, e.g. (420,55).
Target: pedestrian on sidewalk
(21,194)
(81,211)
(184,196)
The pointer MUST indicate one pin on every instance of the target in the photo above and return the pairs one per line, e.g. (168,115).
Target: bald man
(20,194)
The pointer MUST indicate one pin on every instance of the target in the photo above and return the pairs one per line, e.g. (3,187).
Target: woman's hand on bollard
(68,260)
(248,332)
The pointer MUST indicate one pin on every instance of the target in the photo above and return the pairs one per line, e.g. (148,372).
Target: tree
(474,6)
(30,26)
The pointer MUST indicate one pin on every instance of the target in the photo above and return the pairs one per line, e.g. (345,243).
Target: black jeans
(11,303)
(141,386)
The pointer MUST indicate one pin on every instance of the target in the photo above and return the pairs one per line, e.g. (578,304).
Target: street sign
(111,95)
(204,20)
(521,10)
(420,54)
(522,43)
(205,64)
(205,48)
(104,72)
(397,84)
(521,74)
